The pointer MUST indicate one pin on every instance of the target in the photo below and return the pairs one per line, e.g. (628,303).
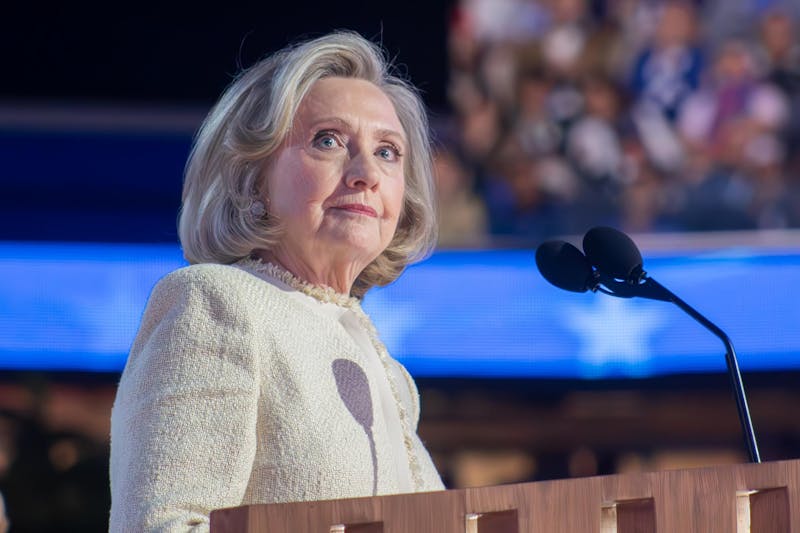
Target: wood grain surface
(757,498)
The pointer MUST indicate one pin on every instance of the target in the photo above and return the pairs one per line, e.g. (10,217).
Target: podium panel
(757,498)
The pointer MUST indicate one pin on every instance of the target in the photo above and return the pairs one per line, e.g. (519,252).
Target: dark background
(186,53)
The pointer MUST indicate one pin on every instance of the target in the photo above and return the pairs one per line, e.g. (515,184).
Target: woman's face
(337,181)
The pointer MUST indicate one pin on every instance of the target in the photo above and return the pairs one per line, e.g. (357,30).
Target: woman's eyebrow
(383,133)
(339,122)
(343,124)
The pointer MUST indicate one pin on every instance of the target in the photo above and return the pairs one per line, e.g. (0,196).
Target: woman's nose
(362,172)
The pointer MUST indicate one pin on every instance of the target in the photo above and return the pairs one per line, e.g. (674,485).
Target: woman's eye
(388,153)
(325,141)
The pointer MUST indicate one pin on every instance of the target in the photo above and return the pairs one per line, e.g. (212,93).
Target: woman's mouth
(358,209)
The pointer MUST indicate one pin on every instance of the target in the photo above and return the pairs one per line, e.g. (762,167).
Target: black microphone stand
(647,287)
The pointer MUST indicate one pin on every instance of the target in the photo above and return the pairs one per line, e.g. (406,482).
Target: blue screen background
(73,306)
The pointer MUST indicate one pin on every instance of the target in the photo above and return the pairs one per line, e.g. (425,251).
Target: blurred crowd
(641,114)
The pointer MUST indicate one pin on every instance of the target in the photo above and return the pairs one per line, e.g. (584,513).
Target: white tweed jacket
(235,393)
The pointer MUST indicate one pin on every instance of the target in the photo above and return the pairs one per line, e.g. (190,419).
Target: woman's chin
(356,242)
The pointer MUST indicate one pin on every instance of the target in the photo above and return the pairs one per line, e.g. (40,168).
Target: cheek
(297,189)
(395,198)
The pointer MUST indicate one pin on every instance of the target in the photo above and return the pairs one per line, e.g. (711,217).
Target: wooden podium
(757,498)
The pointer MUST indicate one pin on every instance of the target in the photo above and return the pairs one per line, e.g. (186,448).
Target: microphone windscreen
(564,266)
(612,252)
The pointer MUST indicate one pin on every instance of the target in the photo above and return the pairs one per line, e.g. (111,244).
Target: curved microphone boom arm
(613,265)
(649,288)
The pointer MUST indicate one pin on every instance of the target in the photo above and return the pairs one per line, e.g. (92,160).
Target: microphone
(565,266)
(615,267)
(613,253)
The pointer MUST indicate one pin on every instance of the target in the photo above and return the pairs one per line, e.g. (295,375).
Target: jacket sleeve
(183,426)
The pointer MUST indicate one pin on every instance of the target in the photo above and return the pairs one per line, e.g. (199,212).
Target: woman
(255,376)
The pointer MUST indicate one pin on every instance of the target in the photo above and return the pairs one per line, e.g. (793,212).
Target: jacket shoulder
(212,279)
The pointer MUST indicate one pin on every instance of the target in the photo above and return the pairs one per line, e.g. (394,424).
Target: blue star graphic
(614,334)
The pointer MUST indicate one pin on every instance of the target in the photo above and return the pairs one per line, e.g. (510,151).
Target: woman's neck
(339,277)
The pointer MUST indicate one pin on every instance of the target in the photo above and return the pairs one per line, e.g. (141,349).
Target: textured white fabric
(353,326)
(230,397)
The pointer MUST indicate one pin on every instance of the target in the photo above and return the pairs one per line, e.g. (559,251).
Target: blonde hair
(249,123)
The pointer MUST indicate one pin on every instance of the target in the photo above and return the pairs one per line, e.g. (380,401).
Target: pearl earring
(258,209)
